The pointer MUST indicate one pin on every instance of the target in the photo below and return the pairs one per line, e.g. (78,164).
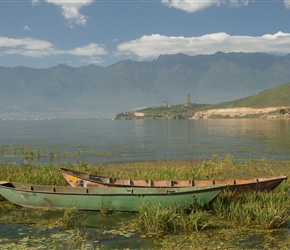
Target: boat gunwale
(104,191)
(262,179)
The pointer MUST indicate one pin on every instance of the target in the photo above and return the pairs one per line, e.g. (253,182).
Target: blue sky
(45,33)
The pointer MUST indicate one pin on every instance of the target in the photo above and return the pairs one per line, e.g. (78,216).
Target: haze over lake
(103,141)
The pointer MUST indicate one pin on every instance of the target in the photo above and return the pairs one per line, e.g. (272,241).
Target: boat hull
(119,199)
(238,186)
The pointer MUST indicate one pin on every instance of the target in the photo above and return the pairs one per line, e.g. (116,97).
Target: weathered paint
(121,199)
(79,179)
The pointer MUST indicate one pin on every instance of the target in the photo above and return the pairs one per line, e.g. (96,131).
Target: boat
(116,199)
(238,186)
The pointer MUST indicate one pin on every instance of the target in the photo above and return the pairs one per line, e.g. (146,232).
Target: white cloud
(26,28)
(194,6)
(34,2)
(70,10)
(190,6)
(39,48)
(150,46)
(287,4)
(93,60)
(90,50)
(153,45)
(25,44)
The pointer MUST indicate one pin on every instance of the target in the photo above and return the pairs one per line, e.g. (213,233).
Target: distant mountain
(94,91)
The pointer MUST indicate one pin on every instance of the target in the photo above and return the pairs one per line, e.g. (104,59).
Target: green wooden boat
(119,199)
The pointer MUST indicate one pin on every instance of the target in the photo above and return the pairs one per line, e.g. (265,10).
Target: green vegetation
(275,97)
(32,173)
(248,214)
(225,166)
(163,112)
(53,153)
(267,210)
(157,220)
(71,219)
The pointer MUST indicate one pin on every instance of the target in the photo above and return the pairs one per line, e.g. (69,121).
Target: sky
(45,33)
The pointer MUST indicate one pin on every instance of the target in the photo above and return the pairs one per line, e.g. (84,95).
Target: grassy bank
(226,166)
(251,211)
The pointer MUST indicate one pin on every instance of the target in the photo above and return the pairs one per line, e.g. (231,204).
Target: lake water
(103,141)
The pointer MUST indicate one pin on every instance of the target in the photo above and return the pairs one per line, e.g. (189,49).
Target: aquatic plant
(268,210)
(264,210)
(106,208)
(72,219)
(43,174)
(228,222)
(157,219)
(68,217)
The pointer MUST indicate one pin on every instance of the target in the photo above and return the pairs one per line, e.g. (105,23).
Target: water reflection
(101,141)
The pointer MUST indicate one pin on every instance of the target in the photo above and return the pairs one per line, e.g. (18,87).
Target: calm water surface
(102,141)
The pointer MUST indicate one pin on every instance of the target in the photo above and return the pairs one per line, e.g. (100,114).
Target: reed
(225,166)
(267,210)
(44,174)
(68,217)
(196,220)
(106,208)
(157,219)
(264,210)
(80,225)
(71,219)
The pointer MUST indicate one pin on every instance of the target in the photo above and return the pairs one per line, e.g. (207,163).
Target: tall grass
(157,219)
(46,174)
(226,166)
(266,210)
(71,219)
(172,169)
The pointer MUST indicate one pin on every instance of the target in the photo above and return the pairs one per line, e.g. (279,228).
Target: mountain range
(94,91)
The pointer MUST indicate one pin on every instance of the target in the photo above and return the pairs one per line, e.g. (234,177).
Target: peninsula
(269,104)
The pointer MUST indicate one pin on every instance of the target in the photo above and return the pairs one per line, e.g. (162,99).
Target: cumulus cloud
(287,4)
(70,10)
(194,6)
(25,46)
(152,46)
(90,53)
(39,48)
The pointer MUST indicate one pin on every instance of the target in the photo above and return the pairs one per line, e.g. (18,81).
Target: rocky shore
(245,112)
